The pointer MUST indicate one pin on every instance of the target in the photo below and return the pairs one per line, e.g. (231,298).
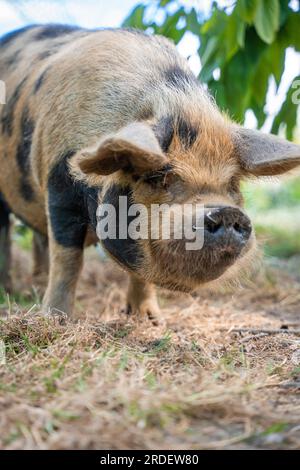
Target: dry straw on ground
(103,380)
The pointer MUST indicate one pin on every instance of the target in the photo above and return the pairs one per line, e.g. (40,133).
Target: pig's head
(183,161)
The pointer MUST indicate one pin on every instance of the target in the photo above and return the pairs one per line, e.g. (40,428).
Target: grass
(23,300)
(102,380)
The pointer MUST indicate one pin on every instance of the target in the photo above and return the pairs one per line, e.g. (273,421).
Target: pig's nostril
(212,222)
(238,228)
(212,227)
(242,229)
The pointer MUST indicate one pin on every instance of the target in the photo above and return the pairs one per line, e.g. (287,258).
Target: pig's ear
(134,148)
(263,154)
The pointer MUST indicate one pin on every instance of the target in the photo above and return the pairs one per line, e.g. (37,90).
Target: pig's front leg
(142,299)
(66,234)
(67,228)
(65,267)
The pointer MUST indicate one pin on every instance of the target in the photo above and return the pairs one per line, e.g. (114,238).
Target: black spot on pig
(40,81)
(26,189)
(9,108)
(187,133)
(164,132)
(24,147)
(4,212)
(55,30)
(9,37)
(23,152)
(52,49)
(44,55)
(72,205)
(126,251)
(176,77)
(12,59)
(91,203)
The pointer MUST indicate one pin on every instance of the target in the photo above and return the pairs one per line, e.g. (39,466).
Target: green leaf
(287,115)
(266,19)
(234,36)
(236,79)
(260,82)
(290,33)
(276,60)
(136,18)
(259,114)
(217,90)
(240,36)
(168,28)
(247,9)
(271,62)
(192,23)
(206,73)
(210,49)
(216,24)
(163,3)
(284,11)
(177,34)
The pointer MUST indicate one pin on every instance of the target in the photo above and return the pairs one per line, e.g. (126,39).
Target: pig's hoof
(51,312)
(147,310)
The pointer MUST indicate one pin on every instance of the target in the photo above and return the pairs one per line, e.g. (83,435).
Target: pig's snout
(226,229)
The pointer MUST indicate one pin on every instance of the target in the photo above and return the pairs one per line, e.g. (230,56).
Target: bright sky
(99,13)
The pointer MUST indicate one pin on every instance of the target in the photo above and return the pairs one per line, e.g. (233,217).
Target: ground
(105,381)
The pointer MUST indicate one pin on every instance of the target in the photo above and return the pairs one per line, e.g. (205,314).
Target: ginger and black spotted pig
(94,115)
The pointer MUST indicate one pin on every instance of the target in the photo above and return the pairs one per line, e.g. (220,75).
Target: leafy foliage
(245,43)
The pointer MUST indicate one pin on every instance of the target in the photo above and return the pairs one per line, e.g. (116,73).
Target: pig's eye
(161,179)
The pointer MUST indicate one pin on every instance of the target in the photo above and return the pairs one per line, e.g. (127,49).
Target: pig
(94,115)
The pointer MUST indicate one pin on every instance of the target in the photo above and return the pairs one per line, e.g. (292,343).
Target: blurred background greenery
(242,46)
(248,53)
